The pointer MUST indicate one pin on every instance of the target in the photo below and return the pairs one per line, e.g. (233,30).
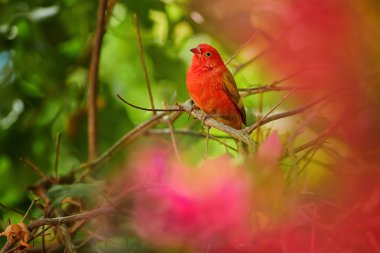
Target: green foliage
(44,58)
(80,191)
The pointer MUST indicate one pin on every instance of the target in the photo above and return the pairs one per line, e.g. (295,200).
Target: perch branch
(93,78)
(187,107)
(240,135)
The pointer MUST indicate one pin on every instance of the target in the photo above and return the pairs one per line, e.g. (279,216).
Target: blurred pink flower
(270,151)
(203,209)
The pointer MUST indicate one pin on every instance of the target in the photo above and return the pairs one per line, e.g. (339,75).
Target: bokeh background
(321,48)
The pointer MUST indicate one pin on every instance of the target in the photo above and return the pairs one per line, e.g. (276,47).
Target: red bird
(213,88)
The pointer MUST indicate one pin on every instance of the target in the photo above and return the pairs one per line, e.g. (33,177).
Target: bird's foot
(180,106)
(208,116)
(192,108)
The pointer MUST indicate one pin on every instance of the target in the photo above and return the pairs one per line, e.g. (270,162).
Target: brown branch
(271,42)
(141,51)
(207,138)
(174,142)
(57,156)
(28,210)
(240,135)
(37,170)
(11,209)
(93,78)
(277,105)
(271,87)
(147,109)
(244,92)
(241,48)
(293,112)
(321,138)
(72,218)
(243,65)
(62,220)
(64,237)
(129,136)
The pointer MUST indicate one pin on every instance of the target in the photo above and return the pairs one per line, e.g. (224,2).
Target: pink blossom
(204,209)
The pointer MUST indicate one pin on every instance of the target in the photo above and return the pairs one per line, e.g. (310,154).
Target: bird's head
(205,56)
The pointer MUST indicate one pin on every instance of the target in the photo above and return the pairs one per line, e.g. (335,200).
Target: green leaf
(77,191)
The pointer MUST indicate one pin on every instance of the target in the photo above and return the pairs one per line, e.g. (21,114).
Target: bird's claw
(205,117)
(180,106)
(192,108)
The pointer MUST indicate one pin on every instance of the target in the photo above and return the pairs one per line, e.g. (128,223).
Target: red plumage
(213,88)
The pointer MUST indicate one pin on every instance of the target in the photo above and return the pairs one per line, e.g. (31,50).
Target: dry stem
(93,78)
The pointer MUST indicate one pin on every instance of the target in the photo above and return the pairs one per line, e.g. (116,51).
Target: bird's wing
(229,86)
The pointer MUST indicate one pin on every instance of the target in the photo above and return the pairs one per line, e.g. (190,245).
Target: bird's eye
(208,54)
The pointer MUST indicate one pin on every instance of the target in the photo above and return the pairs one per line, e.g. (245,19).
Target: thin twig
(243,65)
(244,92)
(321,138)
(147,109)
(241,48)
(28,211)
(272,86)
(93,79)
(299,110)
(170,124)
(57,156)
(141,51)
(37,170)
(259,116)
(11,209)
(258,123)
(129,136)
(207,138)
(61,220)
(43,241)
(289,179)
(72,218)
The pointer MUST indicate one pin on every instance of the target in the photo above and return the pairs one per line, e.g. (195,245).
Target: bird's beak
(196,50)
